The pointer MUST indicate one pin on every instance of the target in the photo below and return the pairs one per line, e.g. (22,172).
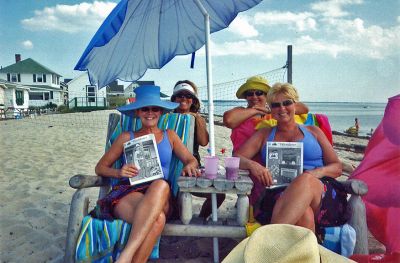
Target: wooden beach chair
(186,226)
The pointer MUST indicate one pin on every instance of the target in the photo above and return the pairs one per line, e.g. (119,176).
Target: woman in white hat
(145,206)
(312,199)
(185,93)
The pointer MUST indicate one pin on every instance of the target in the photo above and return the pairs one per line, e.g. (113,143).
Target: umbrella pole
(210,115)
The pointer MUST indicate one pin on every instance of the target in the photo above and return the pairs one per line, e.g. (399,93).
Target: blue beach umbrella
(140,35)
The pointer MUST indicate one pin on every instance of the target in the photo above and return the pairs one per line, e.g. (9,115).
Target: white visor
(184,87)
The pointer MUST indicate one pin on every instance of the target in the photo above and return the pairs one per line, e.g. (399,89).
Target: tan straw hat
(253,83)
(280,243)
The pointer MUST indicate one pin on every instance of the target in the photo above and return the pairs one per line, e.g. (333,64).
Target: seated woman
(243,121)
(146,206)
(185,93)
(312,199)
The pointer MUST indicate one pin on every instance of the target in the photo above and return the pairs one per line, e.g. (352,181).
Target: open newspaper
(285,161)
(143,153)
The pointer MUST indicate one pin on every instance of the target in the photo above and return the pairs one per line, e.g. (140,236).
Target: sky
(343,50)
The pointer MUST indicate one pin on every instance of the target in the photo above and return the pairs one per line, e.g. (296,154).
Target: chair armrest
(80,181)
(355,187)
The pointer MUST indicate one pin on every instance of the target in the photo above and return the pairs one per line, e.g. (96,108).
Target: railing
(85,102)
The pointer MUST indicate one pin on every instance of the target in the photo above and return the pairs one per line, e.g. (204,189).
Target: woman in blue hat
(145,206)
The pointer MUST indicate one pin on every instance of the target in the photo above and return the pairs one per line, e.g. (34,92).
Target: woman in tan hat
(313,199)
(146,205)
(243,120)
(185,93)
(282,243)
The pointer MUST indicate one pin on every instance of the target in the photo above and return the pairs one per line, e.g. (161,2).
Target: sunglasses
(152,109)
(184,96)
(282,103)
(251,93)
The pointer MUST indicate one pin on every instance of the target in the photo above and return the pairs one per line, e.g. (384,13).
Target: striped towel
(101,241)
(340,239)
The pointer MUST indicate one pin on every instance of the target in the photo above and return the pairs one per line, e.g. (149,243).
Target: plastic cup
(232,167)
(211,167)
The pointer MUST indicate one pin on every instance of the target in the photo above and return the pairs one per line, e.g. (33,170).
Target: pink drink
(211,167)
(232,167)
(231,173)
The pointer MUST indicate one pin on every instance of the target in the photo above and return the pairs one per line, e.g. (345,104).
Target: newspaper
(143,153)
(285,161)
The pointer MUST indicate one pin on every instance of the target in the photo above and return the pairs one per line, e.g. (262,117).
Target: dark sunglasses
(184,96)
(152,109)
(282,103)
(251,93)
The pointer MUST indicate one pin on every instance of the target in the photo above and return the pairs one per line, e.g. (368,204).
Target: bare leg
(142,211)
(307,220)
(144,251)
(207,208)
(303,193)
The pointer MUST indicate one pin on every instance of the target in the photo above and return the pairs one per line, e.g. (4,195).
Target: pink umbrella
(380,170)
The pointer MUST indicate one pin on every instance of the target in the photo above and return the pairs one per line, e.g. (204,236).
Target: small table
(241,187)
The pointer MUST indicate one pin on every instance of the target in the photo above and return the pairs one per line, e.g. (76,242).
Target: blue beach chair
(94,240)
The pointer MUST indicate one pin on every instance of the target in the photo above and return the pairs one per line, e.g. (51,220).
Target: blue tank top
(312,152)
(164,151)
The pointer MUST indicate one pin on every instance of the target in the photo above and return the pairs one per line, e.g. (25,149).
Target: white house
(14,98)
(83,94)
(43,83)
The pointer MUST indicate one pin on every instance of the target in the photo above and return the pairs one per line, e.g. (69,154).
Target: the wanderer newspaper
(143,153)
(285,161)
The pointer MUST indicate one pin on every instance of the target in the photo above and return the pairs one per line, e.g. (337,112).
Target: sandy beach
(38,156)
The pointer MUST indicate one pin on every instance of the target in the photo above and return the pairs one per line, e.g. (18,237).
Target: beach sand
(38,155)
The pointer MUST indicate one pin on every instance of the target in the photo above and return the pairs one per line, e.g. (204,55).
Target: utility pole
(289,64)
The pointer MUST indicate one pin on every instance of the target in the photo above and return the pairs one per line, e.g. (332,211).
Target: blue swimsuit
(312,157)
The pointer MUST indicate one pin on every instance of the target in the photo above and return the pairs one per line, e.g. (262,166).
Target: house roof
(27,66)
(8,85)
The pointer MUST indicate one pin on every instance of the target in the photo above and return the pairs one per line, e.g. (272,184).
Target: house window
(8,77)
(39,78)
(46,96)
(36,96)
(91,93)
(19,97)
(51,95)
(14,77)
(55,79)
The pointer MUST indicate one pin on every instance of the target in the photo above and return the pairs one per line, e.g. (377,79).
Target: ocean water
(341,114)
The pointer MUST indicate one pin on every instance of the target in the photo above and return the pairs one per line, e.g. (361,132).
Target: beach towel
(380,170)
(316,119)
(101,241)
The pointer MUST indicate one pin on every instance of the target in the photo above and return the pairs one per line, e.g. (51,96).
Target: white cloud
(334,8)
(69,18)
(268,50)
(370,41)
(27,44)
(241,26)
(301,21)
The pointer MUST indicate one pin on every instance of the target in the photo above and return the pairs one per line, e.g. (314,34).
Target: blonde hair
(285,89)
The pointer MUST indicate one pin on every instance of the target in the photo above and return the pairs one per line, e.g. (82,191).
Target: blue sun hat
(147,95)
